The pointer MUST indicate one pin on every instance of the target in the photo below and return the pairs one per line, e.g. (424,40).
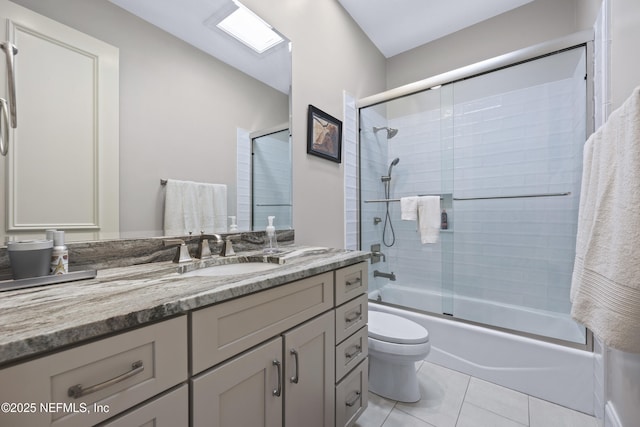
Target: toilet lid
(395,329)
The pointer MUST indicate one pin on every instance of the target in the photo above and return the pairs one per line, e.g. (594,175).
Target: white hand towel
(212,208)
(194,207)
(605,287)
(429,218)
(179,213)
(409,208)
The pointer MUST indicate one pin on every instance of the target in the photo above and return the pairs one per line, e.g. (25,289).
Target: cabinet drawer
(350,282)
(351,352)
(350,317)
(107,376)
(169,410)
(352,395)
(224,330)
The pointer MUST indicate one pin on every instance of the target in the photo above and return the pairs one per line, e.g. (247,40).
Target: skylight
(248,28)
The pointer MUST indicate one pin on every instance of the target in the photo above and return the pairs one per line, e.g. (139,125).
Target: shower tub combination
(504,152)
(552,372)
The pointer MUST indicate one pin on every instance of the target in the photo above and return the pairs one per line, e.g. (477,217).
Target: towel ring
(4,127)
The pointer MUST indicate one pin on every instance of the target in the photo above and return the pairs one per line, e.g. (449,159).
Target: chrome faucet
(182,254)
(204,251)
(391,276)
(227,247)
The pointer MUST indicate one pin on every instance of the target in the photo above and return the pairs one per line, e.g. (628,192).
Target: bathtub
(551,372)
(532,321)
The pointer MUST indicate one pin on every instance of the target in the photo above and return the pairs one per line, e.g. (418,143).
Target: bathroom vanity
(144,344)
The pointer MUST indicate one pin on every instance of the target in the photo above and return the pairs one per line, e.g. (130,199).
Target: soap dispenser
(271,244)
(233,227)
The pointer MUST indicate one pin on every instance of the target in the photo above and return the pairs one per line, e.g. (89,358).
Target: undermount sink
(233,269)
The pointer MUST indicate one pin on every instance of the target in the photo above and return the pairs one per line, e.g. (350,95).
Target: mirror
(271,193)
(180,109)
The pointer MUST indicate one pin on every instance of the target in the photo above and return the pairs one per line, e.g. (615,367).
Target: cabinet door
(309,378)
(245,391)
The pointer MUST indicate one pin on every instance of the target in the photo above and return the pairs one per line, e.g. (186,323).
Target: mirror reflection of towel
(194,207)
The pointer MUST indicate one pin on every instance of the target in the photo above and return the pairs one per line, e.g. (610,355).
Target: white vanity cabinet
(93,382)
(290,355)
(271,358)
(291,373)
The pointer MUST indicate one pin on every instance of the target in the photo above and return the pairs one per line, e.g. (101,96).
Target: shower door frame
(580,39)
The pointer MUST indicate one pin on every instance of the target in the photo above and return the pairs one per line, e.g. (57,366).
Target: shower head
(387,177)
(391,132)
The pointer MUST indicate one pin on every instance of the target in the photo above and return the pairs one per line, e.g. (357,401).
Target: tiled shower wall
(526,140)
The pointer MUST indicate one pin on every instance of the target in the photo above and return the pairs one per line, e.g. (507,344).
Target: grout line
(464,398)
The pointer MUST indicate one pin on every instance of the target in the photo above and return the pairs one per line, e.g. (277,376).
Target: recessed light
(248,28)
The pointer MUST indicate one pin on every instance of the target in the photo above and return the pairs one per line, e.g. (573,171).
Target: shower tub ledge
(551,372)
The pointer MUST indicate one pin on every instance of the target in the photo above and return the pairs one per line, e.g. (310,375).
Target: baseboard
(611,417)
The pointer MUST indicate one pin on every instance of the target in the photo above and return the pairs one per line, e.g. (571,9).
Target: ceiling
(186,19)
(396,26)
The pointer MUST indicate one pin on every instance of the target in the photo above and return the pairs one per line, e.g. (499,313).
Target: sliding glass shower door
(517,164)
(503,150)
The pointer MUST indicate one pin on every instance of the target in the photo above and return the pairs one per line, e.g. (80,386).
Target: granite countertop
(47,318)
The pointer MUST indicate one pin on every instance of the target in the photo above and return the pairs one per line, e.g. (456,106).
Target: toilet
(395,344)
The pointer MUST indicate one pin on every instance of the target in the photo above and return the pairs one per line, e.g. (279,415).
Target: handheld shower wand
(387,177)
(386,180)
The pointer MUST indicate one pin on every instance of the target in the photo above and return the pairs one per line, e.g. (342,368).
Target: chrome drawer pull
(355,281)
(294,378)
(278,391)
(78,391)
(353,401)
(357,351)
(353,316)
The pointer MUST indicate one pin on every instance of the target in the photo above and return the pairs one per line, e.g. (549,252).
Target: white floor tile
(453,399)
(474,416)
(546,414)
(376,413)
(442,392)
(499,400)
(401,419)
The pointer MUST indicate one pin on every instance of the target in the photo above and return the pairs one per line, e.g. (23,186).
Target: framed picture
(324,135)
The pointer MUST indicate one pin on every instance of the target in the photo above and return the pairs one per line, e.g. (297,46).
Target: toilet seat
(395,329)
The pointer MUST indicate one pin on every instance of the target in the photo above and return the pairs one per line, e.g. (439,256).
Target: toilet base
(395,381)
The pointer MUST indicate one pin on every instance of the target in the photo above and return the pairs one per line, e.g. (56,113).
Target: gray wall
(622,374)
(179,108)
(330,55)
(533,23)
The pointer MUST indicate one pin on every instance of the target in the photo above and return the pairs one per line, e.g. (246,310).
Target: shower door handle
(10,51)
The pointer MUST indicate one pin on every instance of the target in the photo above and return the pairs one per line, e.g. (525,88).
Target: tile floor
(454,399)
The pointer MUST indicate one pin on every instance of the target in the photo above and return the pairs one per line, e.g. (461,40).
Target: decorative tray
(30,282)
